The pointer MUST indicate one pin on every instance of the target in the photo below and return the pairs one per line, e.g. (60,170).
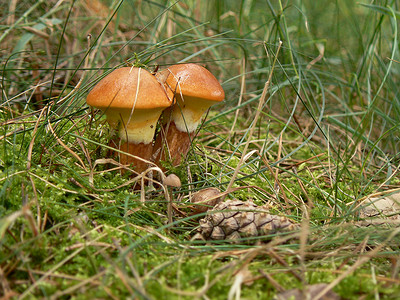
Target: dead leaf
(380,209)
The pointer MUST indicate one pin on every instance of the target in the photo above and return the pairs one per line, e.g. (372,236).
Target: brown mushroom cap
(196,89)
(173,181)
(194,81)
(133,100)
(118,90)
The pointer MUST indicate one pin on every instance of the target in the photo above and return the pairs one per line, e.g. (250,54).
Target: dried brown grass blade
(30,148)
(275,283)
(66,147)
(256,117)
(242,91)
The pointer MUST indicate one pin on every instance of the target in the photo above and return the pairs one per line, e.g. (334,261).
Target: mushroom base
(172,144)
(141,150)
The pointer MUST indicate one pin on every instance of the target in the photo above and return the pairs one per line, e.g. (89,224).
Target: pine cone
(235,219)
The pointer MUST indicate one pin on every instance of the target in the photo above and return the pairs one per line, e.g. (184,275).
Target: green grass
(327,135)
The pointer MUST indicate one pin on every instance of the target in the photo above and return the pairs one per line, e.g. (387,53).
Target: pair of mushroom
(133,100)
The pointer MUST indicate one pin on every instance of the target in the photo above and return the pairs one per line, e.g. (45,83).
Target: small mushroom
(132,100)
(196,90)
(171,181)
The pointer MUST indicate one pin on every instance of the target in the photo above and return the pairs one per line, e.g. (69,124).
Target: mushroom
(171,181)
(196,90)
(132,100)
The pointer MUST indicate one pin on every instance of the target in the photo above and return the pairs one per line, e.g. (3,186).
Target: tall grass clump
(309,126)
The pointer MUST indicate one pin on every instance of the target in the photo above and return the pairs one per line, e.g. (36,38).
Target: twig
(275,283)
(282,262)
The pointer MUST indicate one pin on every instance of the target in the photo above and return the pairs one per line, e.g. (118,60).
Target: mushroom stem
(172,144)
(170,182)
(141,150)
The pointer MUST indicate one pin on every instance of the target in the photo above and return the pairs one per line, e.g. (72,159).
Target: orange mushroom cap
(194,81)
(132,100)
(196,89)
(119,88)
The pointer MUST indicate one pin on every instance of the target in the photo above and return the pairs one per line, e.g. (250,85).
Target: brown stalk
(93,280)
(282,262)
(309,200)
(30,148)
(242,91)
(11,12)
(277,181)
(28,215)
(278,158)
(379,277)
(55,275)
(4,283)
(303,237)
(358,250)
(275,283)
(66,147)
(39,33)
(132,268)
